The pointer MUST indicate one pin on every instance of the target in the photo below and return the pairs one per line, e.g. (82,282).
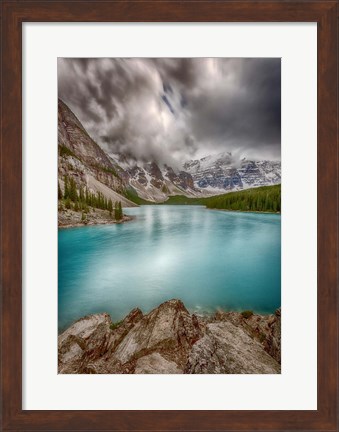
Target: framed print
(169,215)
(138,195)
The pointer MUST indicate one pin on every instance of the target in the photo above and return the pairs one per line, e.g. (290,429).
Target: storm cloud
(173,110)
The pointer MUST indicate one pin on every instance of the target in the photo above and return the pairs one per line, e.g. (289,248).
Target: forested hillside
(264,199)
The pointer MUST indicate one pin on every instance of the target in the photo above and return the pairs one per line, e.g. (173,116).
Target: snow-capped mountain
(115,176)
(118,177)
(155,182)
(219,173)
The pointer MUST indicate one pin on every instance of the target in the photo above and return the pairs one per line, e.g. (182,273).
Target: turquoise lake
(207,258)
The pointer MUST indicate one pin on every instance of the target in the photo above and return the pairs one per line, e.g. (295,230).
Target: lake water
(209,259)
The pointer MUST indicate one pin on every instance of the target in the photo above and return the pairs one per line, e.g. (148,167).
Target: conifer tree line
(82,199)
(262,199)
(118,211)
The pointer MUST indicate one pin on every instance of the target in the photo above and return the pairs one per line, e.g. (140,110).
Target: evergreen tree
(110,206)
(68,204)
(66,190)
(73,195)
(60,196)
(81,194)
(116,211)
(266,198)
(87,196)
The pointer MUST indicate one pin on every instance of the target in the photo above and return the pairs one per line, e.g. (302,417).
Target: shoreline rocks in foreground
(71,218)
(170,340)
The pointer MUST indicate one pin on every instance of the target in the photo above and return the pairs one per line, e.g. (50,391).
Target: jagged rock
(227,349)
(126,325)
(155,183)
(81,158)
(156,364)
(266,329)
(182,180)
(73,135)
(86,340)
(171,340)
(168,329)
(88,344)
(224,172)
(273,340)
(70,218)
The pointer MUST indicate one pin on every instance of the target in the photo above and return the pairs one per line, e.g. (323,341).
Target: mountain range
(121,179)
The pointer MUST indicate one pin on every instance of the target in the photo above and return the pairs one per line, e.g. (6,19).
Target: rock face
(156,184)
(266,329)
(70,218)
(226,348)
(156,364)
(169,330)
(170,340)
(116,176)
(82,159)
(85,340)
(222,173)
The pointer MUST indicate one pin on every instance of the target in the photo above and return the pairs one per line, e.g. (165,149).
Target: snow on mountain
(221,173)
(156,183)
(118,176)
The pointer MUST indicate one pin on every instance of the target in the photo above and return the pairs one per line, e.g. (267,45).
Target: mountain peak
(83,159)
(223,172)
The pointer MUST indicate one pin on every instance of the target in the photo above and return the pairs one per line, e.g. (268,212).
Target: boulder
(171,340)
(227,349)
(85,340)
(156,364)
(266,329)
(169,329)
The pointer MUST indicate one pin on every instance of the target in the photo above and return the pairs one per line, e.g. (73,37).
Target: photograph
(169,215)
(153,162)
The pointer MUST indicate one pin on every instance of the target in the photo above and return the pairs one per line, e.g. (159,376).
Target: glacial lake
(209,259)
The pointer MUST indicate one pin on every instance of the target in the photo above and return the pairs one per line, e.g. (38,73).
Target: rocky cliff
(170,340)
(82,159)
(154,183)
(118,177)
(221,173)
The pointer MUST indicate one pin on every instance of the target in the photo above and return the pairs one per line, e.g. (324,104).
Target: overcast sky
(173,110)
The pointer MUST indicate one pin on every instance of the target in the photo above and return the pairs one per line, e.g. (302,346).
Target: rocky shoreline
(170,340)
(68,218)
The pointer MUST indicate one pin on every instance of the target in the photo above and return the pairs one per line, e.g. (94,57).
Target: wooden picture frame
(14,14)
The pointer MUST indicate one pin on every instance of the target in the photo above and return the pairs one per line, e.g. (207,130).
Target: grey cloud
(171,110)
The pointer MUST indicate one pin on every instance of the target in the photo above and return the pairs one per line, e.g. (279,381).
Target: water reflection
(207,258)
